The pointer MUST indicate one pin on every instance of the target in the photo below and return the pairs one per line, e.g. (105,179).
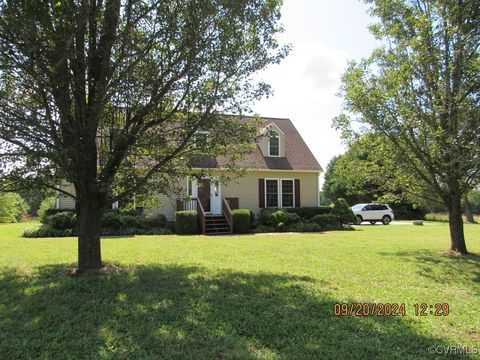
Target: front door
(216,197)
(204,193)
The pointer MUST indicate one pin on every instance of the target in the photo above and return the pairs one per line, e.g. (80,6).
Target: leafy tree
(12,207)
(351,176)
(364,173)
(342,210)
(34,197)
(109,95)
(421,92)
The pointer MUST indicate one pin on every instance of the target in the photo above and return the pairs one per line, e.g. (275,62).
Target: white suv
(373,213)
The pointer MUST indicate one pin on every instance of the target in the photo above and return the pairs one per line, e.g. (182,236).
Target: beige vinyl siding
(246,188)
(64,201)
(167,205)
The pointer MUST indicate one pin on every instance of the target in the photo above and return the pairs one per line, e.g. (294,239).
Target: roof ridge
(262,117)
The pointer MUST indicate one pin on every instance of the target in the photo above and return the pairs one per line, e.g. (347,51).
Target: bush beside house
(307,219)
(343,212)
(308,212)
(241,220)
(186,222)
(279,219)
(63,222)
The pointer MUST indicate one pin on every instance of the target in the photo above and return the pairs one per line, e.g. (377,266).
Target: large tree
(420,90)
(366,172)
(109,95)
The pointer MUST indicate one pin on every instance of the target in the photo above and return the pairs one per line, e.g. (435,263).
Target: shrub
(156,221)
(124,223)
(61,221)
(263,229)
(46,231)
(305,227)
(405,211)
(252,219)
(114,223)
(186,222)
(308,212)
(112,220)
(47,205)
(343,211)
(241,221)
(327,221)
(133,221)
(278,218)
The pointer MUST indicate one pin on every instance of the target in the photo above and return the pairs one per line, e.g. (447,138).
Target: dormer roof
(297,154)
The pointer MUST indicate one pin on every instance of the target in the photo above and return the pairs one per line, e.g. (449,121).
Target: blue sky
(324,35)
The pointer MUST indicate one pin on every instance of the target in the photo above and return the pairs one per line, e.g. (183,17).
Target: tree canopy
(420,90)
(109,95)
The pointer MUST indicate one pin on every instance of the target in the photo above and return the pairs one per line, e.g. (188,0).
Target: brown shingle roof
(297,154)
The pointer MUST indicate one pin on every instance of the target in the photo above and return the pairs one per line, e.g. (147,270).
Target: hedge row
(306,219)
(63,222)
(48,231)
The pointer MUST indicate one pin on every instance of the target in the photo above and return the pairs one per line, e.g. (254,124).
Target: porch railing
(201,216)
(187,204)
(233,202)
(227,212)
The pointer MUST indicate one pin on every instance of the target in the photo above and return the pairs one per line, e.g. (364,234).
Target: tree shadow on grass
(444,268)
(172,312)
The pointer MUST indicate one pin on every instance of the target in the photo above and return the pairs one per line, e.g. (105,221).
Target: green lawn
(249,297)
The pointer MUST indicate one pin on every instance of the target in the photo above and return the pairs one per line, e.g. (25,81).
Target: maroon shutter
(261,193)
(297,193)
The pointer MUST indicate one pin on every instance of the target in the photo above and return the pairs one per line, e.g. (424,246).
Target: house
(280,172)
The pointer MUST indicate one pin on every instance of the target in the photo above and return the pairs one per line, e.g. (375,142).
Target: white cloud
(324,34)
(305,87)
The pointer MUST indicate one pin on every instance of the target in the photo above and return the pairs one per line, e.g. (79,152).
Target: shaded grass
(255,296)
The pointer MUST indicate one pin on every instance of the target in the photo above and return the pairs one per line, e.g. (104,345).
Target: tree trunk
(89,214)
(467,210)
(455,222)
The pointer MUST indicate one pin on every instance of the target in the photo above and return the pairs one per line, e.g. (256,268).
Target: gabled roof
(271,125)
(297,154)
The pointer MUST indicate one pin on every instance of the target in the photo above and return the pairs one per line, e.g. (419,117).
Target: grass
(240,297)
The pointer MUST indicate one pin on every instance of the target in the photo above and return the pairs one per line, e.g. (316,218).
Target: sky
(324,35)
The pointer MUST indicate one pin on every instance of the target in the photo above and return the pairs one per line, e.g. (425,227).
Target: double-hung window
(288,195)
(271,192)
(279,193)
(274,145)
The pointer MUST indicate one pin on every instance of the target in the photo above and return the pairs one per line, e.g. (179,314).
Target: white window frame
(293,193)
(279,192)
(279,144)
(193,181)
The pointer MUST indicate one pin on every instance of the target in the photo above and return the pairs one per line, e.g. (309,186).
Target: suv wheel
(358,220)
(386,220)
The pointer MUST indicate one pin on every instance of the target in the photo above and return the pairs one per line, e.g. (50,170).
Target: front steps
(216,225)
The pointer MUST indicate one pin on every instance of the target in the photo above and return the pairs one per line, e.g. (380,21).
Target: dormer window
(273,144)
